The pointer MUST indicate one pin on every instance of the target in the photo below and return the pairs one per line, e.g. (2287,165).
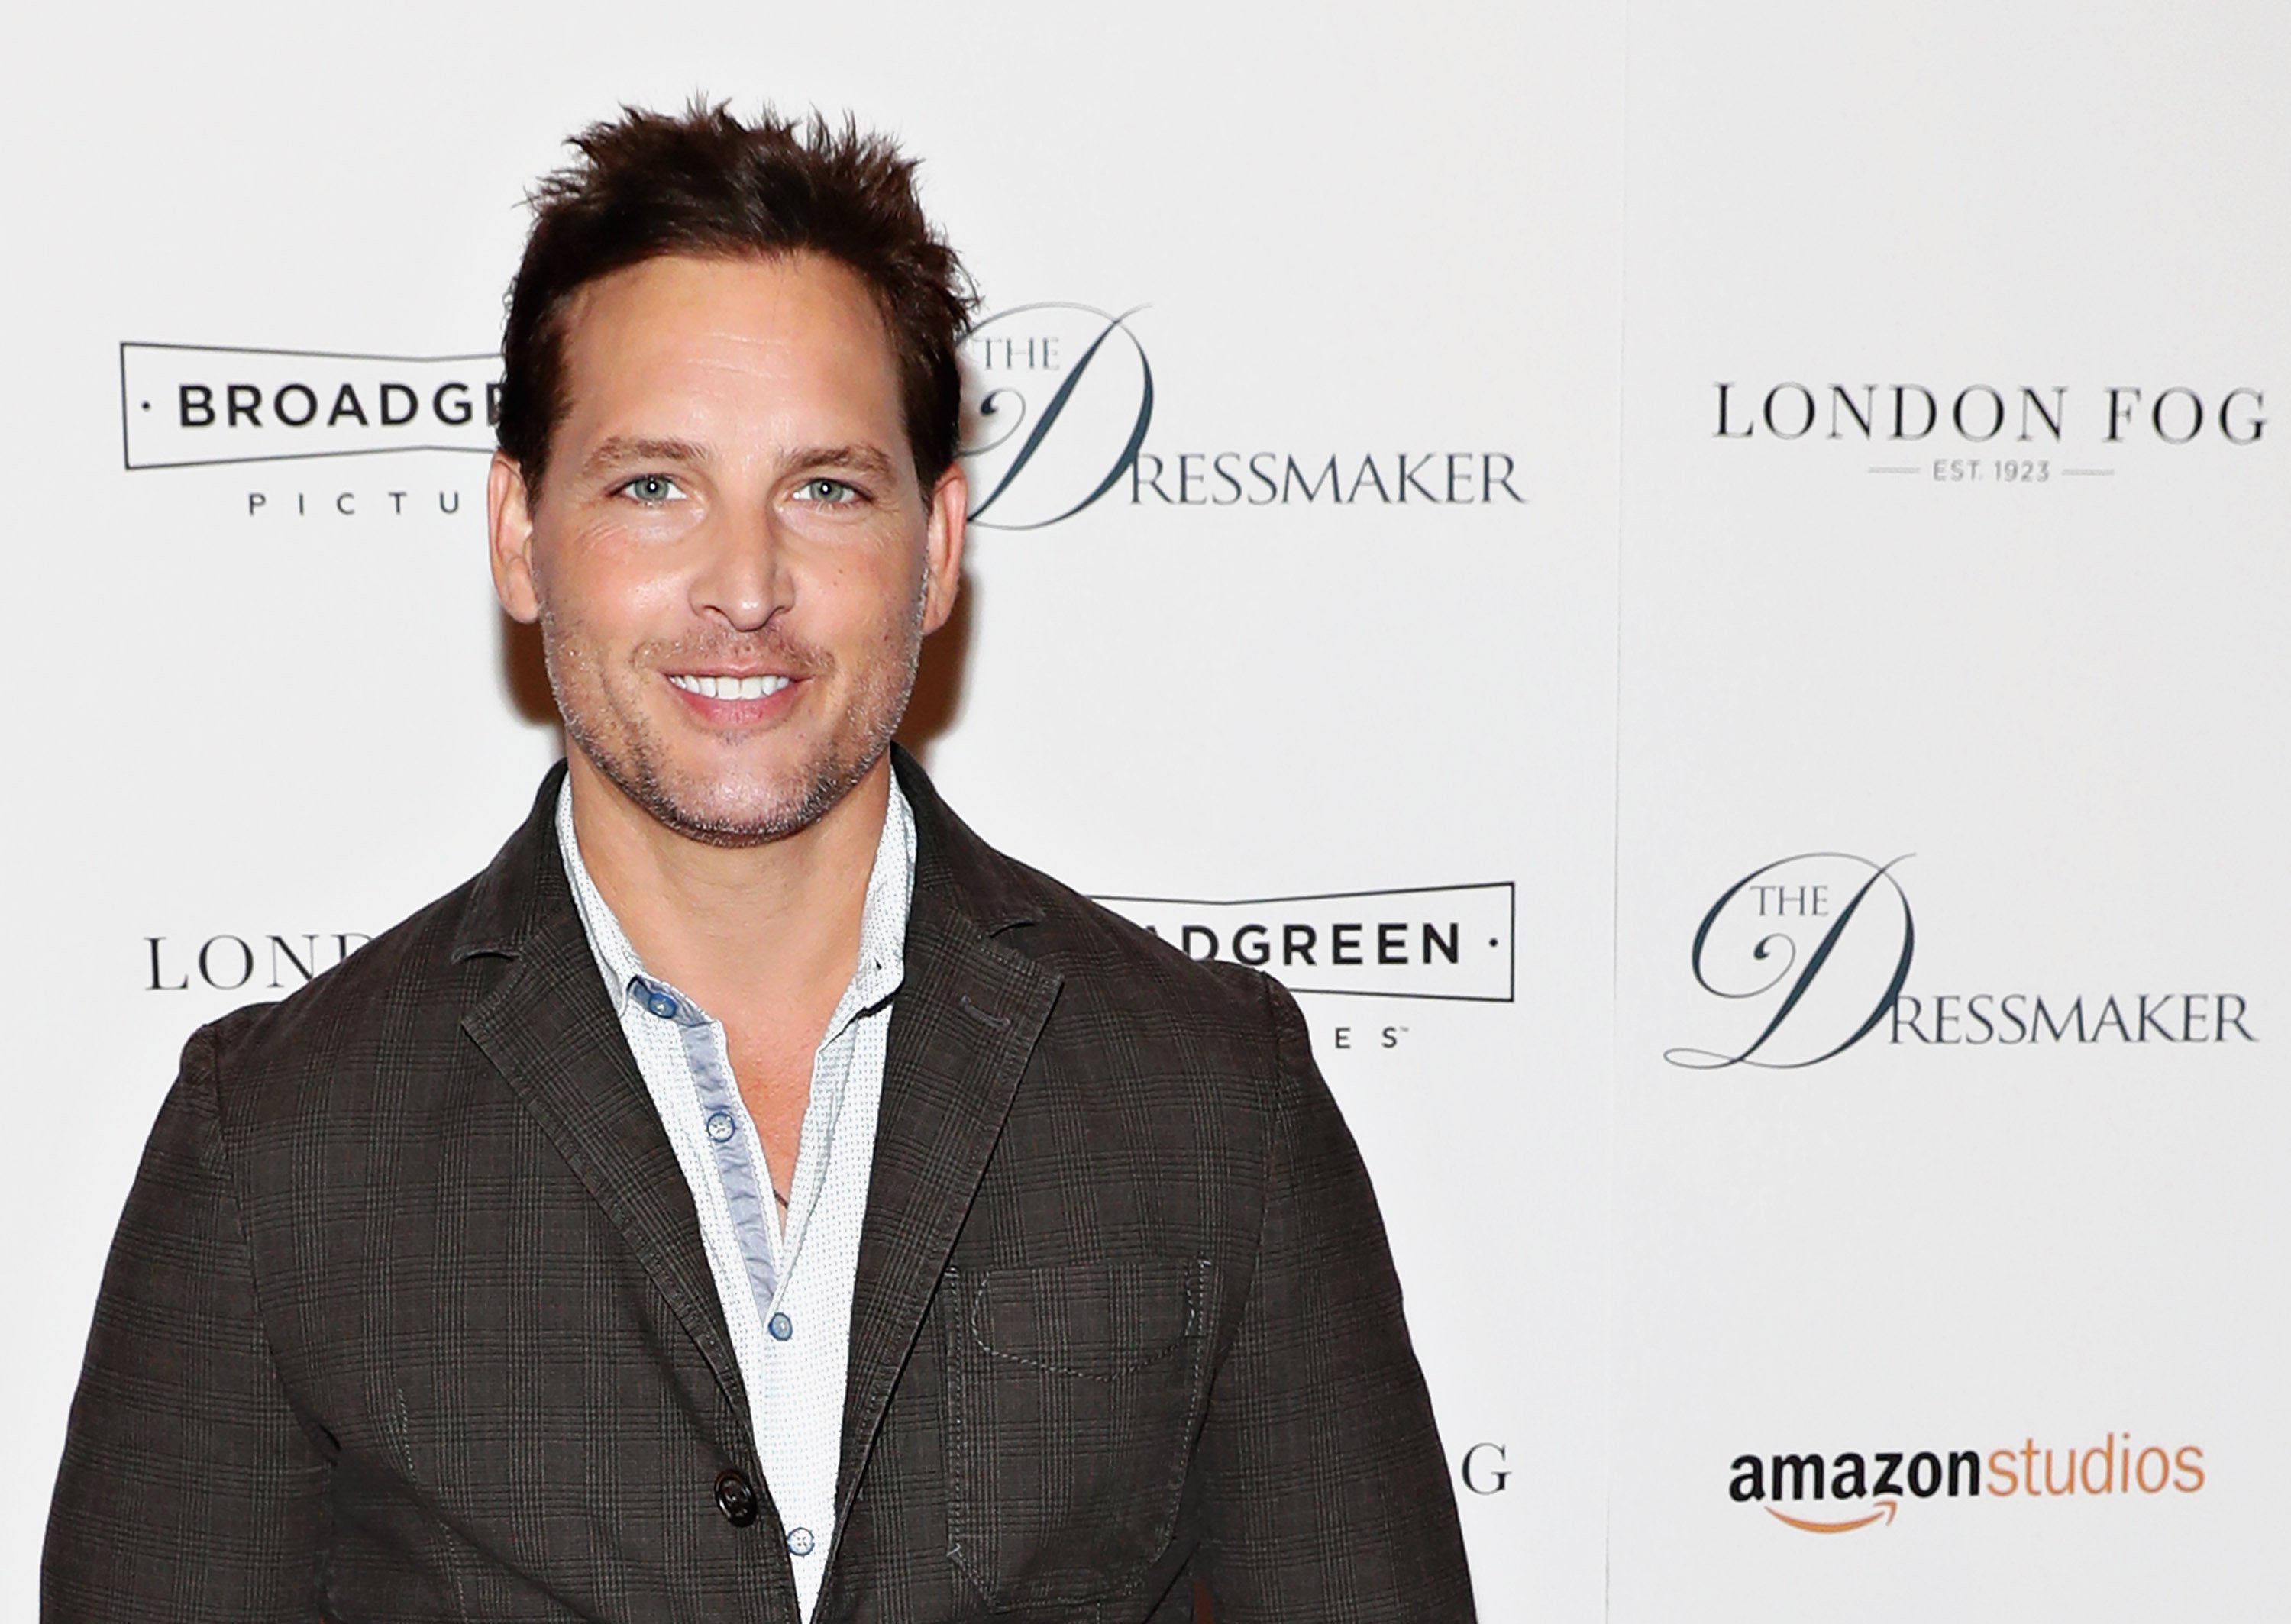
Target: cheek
(865,596)
(600,588)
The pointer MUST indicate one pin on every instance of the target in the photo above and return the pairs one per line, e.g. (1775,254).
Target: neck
(734,927)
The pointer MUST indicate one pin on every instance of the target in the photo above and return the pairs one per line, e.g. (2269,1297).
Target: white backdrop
(1501,254)
(2047,673)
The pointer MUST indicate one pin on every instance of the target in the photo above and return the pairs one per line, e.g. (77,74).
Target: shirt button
(799,1541)
(662,1005)
(736,1499)
(720,1126)
(782,1328)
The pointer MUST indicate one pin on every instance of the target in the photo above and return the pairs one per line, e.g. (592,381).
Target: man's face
(729,556)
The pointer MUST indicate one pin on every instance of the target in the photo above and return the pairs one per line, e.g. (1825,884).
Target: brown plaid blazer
(408,1317)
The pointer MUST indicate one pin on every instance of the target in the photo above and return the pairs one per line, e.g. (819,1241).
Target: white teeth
(731,688)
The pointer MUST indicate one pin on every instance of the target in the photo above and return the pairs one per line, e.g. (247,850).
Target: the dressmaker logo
(1060,404)
(1445,942)
(183,405)
(1982,433)
(1809,955)
(1057,400)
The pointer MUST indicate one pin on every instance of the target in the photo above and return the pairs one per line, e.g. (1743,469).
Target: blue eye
(832,492)
(652,489)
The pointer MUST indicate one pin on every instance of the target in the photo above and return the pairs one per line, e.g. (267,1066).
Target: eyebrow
(857,459)
(621,449)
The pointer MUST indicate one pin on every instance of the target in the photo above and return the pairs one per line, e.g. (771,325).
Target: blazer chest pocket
(1072,1398)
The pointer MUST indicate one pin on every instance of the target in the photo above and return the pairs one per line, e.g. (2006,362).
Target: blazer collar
(956,871)
(523,892)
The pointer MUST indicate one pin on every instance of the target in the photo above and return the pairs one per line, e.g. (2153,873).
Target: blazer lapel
(962,1029)
(549,1029)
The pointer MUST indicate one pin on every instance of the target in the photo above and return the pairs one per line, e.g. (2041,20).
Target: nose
(742,579)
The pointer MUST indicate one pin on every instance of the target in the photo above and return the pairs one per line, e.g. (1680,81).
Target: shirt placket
(741,1172)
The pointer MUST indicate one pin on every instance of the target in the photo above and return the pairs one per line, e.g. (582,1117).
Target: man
(752,1197)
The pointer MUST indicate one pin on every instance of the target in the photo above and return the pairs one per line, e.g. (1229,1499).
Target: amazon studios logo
(183,405)
(1059,403)
(1446,942)
(1813,952)
(1857,1488)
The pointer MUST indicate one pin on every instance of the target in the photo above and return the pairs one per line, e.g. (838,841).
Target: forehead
(794,330)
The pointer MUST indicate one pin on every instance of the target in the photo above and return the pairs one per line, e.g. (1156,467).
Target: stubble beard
(619,742)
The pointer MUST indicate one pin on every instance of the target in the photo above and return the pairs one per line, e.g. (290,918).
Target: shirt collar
(881,963)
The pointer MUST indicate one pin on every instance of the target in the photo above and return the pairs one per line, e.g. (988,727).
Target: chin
(718,818)
(748,808)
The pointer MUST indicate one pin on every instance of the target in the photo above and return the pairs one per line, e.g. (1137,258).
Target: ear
(943,535)
(509,535)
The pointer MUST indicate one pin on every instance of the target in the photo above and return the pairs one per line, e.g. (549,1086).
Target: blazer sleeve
(189,1488)
(1324,1489)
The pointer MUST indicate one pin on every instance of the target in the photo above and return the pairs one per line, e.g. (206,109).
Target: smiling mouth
(731,688)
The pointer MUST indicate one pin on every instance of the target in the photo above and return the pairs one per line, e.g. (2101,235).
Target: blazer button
(736,1499)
